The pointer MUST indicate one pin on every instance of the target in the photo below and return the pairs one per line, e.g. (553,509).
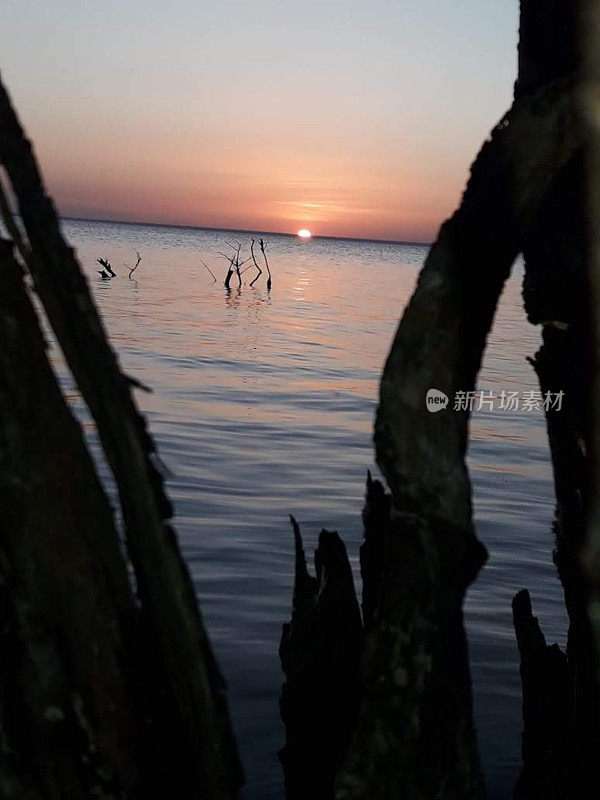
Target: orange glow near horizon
(287,133)
(362,184)
(262,190)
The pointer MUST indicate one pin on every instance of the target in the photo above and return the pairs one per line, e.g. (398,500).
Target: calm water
(263,405)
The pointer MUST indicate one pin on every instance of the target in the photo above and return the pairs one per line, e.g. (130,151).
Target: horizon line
(144,224)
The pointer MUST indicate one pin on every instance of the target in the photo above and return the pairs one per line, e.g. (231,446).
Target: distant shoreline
(238,230)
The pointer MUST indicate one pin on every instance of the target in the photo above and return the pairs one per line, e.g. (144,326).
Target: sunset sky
(348,117)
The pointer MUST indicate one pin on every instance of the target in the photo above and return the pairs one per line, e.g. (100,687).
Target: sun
(303,233)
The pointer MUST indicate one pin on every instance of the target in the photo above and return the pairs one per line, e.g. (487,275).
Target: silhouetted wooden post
(72,706)
(554,294)
(319,652)
(183,714)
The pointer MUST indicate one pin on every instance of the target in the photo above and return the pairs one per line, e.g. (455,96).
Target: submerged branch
(263,247)
(209,269)
(137,263)
(255,264)
(108,271)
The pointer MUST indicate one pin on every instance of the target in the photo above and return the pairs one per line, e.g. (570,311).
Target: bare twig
(237,263)
(137,263)
(255,263)
(263,248)
(209,269)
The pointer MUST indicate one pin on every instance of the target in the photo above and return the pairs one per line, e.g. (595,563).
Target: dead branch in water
(108,271)
(137,263)
(234,263)
(263,248)
(237,262)
(209,269)
(230,271)
(255,264)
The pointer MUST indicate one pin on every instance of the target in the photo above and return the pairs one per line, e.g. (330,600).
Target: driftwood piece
(320,657)
(192,683)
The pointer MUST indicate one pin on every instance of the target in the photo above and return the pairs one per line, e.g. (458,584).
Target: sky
(354,118)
